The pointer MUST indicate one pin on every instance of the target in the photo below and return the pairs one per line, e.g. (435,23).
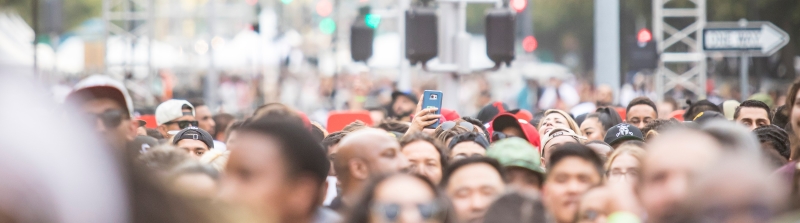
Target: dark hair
(641,101)
(154,133)
(444,135)
(197,102)
(478,124)
(660,125)
(317,133)
(408,139)
(699,106)
(575,150)
(452,168)
(393,126)
(607,116)
(779,116)
(753,104)
(222,120)
(537,118)
(332,139)
(519,208)
(468,137)
(360,212)
(301,155)
(236,125)
(777,136)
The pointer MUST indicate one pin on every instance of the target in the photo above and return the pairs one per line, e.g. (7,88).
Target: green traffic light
(372,20)
(286,2)
(327,26)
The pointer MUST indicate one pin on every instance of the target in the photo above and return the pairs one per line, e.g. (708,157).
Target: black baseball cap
(195,133)
(622,132)
(707,116)
(490,111)
(408,95)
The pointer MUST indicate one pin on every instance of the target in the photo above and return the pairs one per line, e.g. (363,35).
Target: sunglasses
(496,136)
(182,124)
(391,211)
(450,124)
(111,118)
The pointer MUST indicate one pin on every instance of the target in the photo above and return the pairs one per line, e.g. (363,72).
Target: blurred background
(240,54)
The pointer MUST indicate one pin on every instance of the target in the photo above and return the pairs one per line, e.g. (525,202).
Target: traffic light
(518,5)
(372,20)
(286,2)
(327,26)
(324,8)
(361,37)
(422,38)
(643,54)
(529,44)
(500,35)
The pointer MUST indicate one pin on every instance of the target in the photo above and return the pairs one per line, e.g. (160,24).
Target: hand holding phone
(432,101)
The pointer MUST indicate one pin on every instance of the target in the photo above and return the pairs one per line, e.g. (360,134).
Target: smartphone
(432,99)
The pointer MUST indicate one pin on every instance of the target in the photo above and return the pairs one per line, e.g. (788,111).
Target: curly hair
(777,136)
(659,125)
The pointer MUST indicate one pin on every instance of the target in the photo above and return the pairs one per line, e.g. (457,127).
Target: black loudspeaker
(422,38)
(500,35)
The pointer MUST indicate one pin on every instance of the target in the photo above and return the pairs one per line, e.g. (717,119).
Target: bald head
(672,161)
(365,153)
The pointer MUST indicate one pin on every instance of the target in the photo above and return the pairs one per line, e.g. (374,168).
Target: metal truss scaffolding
(129,19)
(683,61)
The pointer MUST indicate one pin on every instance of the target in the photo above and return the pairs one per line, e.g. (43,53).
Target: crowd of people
(612,164)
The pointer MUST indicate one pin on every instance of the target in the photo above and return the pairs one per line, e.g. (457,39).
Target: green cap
(516,152)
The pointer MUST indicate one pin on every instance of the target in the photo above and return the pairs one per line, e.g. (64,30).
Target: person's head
(205,121)
(162,159)
(572,169)
(595,125)
(473,184)
(729,108)
(174,115)
(480,126)
(216,159)
(554,118)
(753,114)
(641,111)
(673,159)
(602,149)
(698,107)
(780,116)
(331,145)
(193,141)
(195,180)
(666,107)
(425,155)
(444,134)
(403,104)
(659,125)
(222,121)
(507,126)
(401,198)
(556,138)
(774,144)
(521,162)
(466,145)
(394,126)
(621,133)
(592,207)
(277,109)
(366,153)
(488,112)
(355,126)
(604,95)
(107,104)
(518,208)
(625,164)
(276,170)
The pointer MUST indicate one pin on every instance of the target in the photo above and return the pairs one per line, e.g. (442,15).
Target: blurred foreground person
(592,206)
(517,208)
(402,198)
(363,154)
(194,141)
(735,189)
(174,115)
(521,162)
(425,155)
(473,184)
(573,169)
(277,171)
(108,106)
(194,180)
(673,160)
(625,165)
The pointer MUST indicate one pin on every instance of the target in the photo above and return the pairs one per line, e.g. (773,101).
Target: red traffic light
(644,36)
(324,8)
(518,5)
(529,44)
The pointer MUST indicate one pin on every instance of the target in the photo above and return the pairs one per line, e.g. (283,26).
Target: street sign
(751,38)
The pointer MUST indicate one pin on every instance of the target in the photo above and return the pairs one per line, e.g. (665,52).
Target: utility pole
(606,44)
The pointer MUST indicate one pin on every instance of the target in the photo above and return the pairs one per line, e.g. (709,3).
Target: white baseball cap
(170,110)
(99,86)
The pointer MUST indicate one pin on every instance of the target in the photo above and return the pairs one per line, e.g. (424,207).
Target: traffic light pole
(606,44)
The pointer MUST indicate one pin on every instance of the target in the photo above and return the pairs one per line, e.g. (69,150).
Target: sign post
(743,39)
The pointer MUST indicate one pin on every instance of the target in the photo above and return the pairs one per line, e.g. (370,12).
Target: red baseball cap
(506,120)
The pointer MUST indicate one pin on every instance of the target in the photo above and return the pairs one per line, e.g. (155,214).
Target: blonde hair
(216,159)
(630,149)
(571,122)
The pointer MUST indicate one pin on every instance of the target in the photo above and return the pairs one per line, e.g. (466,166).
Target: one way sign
(743,38)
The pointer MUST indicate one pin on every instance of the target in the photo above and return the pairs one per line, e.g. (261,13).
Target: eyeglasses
(496,136)
(391,211)
(182,124)
(111,118)
(450,124)
(626,175)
